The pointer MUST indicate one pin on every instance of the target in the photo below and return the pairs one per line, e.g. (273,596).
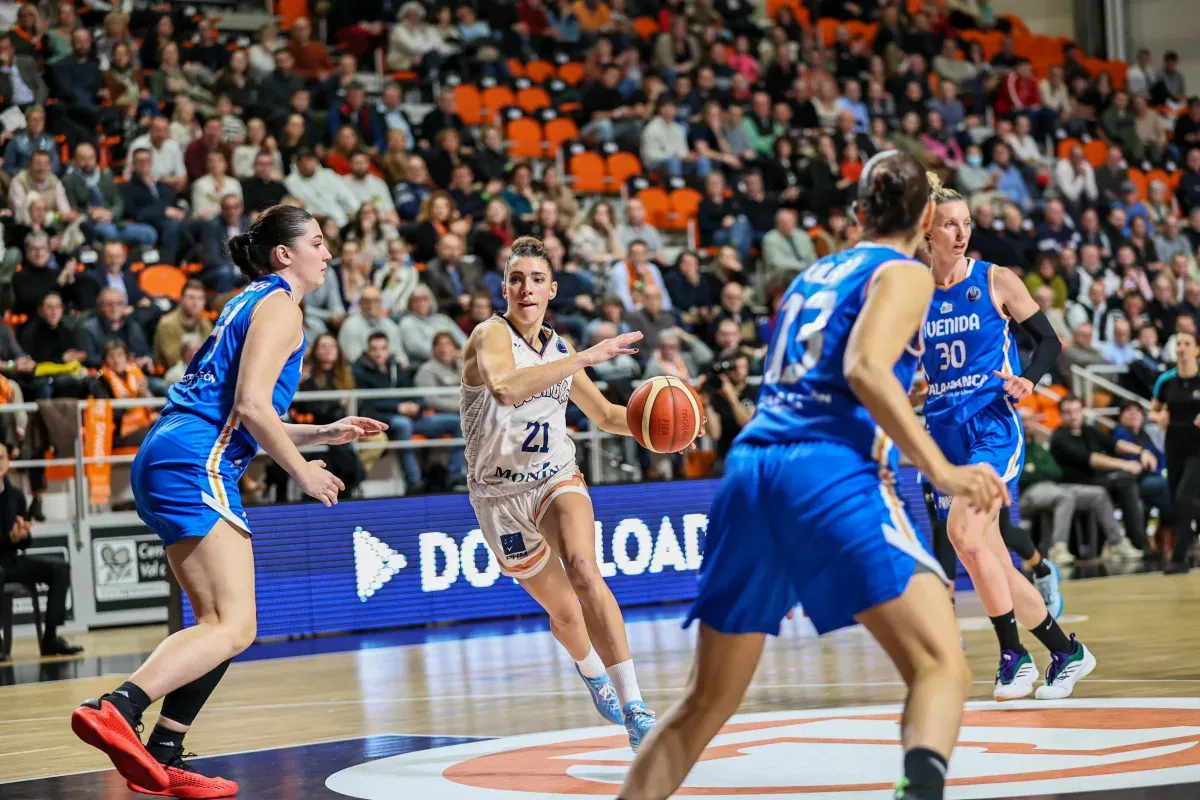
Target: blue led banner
(372,564)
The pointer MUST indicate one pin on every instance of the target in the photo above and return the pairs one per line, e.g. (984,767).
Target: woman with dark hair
(185,483)
(1176,408)
(438,217)
(807,512)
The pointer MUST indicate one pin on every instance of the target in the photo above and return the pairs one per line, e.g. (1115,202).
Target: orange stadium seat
(1140,180)
(571,73)
(495,98)
(1064,147)
(1095,152)
(468,104)
(516,68)
(657,204)
(827,30)
(539,71)
(557,131)
(163,280)
(685,203)
(524,137)
(1158,175)
(587,170)
(621,166)
(646,27)
(533,99)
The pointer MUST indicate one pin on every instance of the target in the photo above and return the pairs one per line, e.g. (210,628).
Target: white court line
(573,692)
(27,752)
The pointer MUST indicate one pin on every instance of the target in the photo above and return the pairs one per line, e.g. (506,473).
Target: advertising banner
(129,568)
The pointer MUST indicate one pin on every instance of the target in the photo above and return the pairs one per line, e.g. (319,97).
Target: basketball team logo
(1014,749)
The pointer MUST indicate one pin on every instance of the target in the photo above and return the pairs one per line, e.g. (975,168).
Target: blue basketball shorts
(993,435)
(184,479)
(809,522)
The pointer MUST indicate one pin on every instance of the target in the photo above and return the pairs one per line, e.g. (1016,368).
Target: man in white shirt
(368,189)
(357,329)
(166,156)
(665,147)
(1140,77)
(1119,349)
(635,228)
(321,190)
(1076,181)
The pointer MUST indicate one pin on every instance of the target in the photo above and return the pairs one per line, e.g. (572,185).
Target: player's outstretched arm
(607,416)
(489,362)
(1013,296)
(895,309)
(277,321)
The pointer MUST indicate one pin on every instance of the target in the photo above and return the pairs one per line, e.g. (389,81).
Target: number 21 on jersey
(813,313)
(532,444)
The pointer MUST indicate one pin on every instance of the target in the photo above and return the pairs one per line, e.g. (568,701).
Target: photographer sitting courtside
(728,398)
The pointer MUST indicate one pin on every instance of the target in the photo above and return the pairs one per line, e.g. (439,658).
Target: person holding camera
(728,398)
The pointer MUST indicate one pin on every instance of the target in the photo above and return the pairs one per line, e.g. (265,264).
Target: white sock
(625,681)
(591,667)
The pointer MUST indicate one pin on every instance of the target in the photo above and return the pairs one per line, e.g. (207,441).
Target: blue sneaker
(604,697)
(1049,589)
(638,722)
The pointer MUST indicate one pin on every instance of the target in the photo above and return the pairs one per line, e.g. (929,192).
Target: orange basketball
(665,415)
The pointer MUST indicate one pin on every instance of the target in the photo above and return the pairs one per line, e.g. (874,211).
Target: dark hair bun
(893,193)
(278,225)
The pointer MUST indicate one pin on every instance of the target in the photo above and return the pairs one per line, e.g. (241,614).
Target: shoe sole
(1089,665)
(185,793)
(134,765)
(1004,699)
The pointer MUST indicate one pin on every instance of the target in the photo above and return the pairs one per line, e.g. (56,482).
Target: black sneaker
(60,647)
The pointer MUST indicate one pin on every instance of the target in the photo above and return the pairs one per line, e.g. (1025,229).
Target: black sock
(1049,634)
(164,743)
(926,773)
(130,700)
(1006,632)
(1041,569)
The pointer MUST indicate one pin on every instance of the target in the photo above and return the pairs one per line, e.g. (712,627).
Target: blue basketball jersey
(207,388)
(966,338)
(804,395)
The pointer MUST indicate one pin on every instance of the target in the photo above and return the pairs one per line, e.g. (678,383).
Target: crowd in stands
(135,140)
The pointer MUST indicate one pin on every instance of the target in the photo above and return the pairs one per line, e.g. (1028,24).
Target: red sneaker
(186,782)
(102,725)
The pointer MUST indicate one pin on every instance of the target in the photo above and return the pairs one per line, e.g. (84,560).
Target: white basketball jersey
(510,449)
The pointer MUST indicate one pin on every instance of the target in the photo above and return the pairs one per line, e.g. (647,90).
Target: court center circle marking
(1017,748)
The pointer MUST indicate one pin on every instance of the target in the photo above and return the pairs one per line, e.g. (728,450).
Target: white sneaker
(1066,670)
(1015,677)
(1060,554)
(1125,549)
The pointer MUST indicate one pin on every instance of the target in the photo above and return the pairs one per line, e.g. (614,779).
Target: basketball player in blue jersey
(808,511)
(185,481)
(972,368)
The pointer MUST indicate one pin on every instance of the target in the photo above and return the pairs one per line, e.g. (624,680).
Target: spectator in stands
(443,371)
(1046,274)
(277,86)
(1054,233)
(1081,352)
(171,82)
(1089,456)
(47,340)
(1160,203)
(630,277)
(189,344)
(369,189)
(377,368)
(419,326)
(114,322)
(219,271)
(264,189)
(1184,323)
(693,293)
(152,202)
(415,45)
(652,319)
(213,187)
(1170,87)
(369,319)
(167,164)
(720,219)
(112,273)
(438,218)
(410,195)
(636,228)
(93,193)
(786,246)
(21,83)
(15,528)
(481,311)
(733,307)
(728,398)
(453,276)
(311,58)
(1009,179)
(321,190)
(1119,349)
(1152,485)
(1141,75)
(324,309)
(1151,131)
(1119,127)
(1112,175)
(669,358)
(123,380)
(1076,181)
(187,319)
(1170,241)
(79,87)
(26,141)
(1189,183)
(195,158)
(327,370)
(1187,127)
(39,275)
(665,146)
(37,180)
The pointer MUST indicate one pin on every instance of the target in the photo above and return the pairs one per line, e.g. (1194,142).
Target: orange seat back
(557,131)
(621,166)
(468,104)
(587,169)
(539,71)
(533,99)
(524,138)
(658,205)
(163,280)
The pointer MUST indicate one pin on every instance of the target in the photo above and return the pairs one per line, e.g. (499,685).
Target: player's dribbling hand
(320,484)
(611,348)
(979,484)
(1017,387)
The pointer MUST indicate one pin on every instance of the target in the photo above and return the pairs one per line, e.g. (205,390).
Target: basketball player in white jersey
(532,503)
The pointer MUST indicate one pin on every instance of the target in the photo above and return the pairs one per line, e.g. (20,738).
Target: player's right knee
(242,632)
(583,573)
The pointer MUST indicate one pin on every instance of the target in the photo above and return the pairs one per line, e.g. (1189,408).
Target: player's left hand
(348,429)
(1018,388)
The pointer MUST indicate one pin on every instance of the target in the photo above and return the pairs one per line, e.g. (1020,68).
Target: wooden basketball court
(409,708)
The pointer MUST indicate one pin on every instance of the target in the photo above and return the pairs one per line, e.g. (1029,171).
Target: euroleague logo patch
(1015,749)
(973,294)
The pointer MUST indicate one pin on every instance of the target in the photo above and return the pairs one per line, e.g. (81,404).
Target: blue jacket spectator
(355,113)
(30,139)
